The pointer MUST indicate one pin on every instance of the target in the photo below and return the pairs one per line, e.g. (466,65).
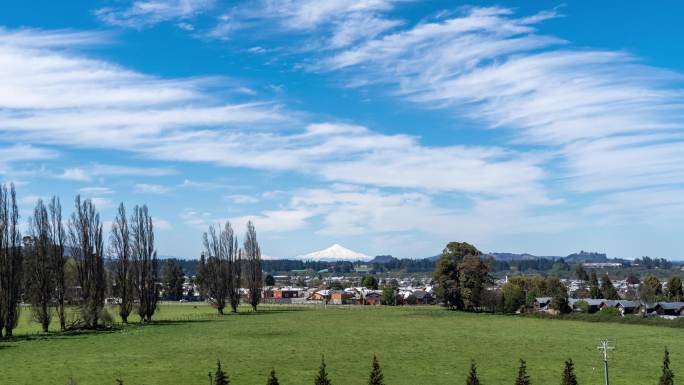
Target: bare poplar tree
(40,278)
(10,260)
(232,257)
(215,277)
(145,262)
(85,241)
(253,261)
(120,248)
(57,237)
(234,273)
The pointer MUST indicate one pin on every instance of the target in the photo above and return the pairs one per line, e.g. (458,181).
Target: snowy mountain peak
(335,252)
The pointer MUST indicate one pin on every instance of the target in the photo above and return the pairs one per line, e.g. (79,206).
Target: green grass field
(415,345)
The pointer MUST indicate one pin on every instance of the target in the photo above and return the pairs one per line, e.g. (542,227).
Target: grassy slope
(414,345)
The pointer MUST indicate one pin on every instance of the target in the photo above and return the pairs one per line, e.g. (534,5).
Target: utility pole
(604,348)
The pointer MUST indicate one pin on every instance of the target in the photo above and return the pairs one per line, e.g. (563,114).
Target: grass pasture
(415,346)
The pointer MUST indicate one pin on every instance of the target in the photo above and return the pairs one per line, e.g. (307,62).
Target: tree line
(60,262)
(376,377)
(463,281)
(34,268)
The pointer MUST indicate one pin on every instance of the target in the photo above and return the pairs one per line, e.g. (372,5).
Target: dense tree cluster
(596,289)
(521,292)
(651,289)
(653,263)
(674,290)
(461,276)
(370,281)
(173,276)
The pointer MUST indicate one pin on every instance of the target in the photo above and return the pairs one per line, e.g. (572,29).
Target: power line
(604,347)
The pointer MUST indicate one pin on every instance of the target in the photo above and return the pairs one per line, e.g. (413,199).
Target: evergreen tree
(523,378)
(376,377)
(608,291)
(674,289)
(322,377)
(269,280)
(594,289)
(651,289)
(667,378)
(472,375)
(569,377)
(272,379)
(220,378)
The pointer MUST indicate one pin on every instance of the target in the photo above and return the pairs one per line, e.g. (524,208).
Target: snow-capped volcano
(335,253)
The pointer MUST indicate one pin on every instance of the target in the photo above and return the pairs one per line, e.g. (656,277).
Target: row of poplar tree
(224,267)
(568,377)
(33,267)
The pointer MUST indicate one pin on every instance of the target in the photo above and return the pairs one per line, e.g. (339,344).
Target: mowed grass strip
(415,345)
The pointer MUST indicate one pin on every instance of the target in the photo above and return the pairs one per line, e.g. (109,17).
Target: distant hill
(584,256)
(581,257)
(509,257)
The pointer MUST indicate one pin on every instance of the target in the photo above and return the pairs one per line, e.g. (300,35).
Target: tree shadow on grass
(71,334)
(6,343)
(177,322)
(275,311)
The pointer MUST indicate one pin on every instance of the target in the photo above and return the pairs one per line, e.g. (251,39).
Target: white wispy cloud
(602,113)
(102,105)
(102,203)
(88,173)
(656,206)
(355,210)
(64,38)
(242,199)
(144,13)
(77,174)
(98,190)
(344,211)
(147,188)
(336,23)
(162,224)
(58,96)
(25,152)
(267,221)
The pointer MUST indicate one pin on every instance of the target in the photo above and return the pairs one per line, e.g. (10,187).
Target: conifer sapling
(272,379)
(322,377)
(667,377)
(472,375)
(376,377)
(523,378)
(220,378)
(569,377)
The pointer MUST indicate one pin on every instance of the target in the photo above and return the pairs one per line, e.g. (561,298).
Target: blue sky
(388,126)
